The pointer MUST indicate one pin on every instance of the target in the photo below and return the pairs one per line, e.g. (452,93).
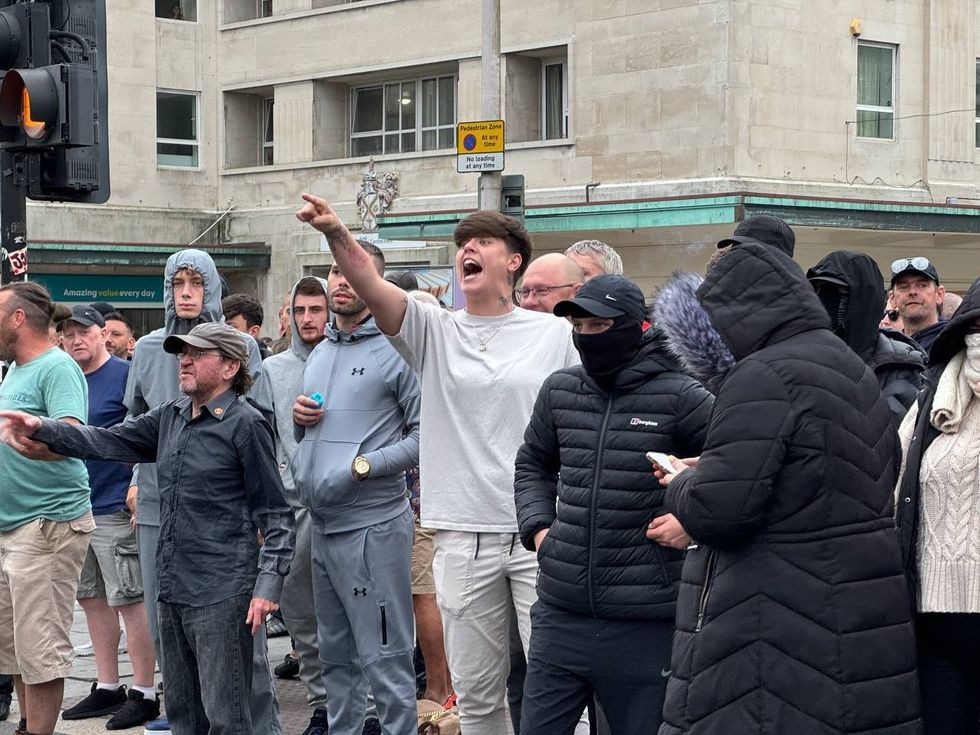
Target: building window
(876,91)
(977,121)
(177,9)
(266,134)
(263,8)
(177,128)
(403,116)
(554,99)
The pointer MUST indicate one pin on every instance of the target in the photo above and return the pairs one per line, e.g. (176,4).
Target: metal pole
(13,218)
(489,184)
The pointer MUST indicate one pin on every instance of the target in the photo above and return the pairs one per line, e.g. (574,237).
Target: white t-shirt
(476,405)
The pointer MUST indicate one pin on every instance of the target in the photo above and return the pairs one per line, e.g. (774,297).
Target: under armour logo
(362,591)
(357,371)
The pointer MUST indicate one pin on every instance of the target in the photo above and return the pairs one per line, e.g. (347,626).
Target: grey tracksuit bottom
(365,624)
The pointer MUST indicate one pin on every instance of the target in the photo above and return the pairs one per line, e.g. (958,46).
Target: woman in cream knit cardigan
(938,514)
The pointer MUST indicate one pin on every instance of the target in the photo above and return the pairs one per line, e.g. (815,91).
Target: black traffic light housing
(512,195)
(53,97)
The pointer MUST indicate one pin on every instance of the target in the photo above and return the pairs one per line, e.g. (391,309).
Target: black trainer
(99,702)
(137,710)
(288,669)
(371,726)
(318,723)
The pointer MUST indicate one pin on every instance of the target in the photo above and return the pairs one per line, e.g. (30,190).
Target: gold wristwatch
(360,467)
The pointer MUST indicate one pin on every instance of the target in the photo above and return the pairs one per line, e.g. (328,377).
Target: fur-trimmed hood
(688,334)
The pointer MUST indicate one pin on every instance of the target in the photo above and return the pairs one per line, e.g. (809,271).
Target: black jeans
(949,672)
(207,664)
(624,663)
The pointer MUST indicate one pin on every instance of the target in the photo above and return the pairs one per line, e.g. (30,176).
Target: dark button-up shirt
(219,482)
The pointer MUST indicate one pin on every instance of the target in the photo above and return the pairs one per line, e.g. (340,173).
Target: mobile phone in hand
(661,461)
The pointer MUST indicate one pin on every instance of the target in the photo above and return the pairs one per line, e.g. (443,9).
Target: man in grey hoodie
(349,470)
(191,296)
(274,393)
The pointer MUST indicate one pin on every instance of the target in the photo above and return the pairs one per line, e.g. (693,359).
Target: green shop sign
(117,290)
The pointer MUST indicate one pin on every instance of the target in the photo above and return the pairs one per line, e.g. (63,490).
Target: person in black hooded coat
(585,494)
(793,614)
(852,290)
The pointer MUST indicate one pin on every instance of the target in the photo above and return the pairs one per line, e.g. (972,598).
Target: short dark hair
(495,224)
(35,301)
(245,305)
(376,255)
(59,315)
(118,316)
(310,286)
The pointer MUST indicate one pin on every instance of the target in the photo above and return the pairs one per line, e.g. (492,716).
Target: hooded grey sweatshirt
(371,407)
(275,391)
(153,372)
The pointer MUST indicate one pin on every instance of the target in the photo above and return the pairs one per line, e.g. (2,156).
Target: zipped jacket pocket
(709,573)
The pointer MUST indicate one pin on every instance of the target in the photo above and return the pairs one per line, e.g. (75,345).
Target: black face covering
(834,300)
(605,354)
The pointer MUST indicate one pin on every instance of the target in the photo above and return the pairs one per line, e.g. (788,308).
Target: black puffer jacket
(945,347)
(586,447)
(793,615)
(897,360)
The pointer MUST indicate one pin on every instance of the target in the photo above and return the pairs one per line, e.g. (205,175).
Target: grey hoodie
(153,372)
(275,391)
(371,407)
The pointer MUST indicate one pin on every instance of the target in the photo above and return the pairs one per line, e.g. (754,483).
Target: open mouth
(471,268)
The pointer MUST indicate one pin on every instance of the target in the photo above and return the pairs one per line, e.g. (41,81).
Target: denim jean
(207,665)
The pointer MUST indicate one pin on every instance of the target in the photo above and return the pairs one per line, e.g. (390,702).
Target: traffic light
(512,195)
(53,97)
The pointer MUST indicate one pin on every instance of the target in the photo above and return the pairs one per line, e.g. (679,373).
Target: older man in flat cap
(219,485)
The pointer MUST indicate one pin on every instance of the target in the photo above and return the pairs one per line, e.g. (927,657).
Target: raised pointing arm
(386,301)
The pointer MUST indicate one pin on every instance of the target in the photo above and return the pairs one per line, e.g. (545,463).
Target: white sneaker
(87,649)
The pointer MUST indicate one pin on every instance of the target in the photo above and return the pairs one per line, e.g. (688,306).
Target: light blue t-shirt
(50,385)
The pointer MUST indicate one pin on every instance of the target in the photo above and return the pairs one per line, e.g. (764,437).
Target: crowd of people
(750,506)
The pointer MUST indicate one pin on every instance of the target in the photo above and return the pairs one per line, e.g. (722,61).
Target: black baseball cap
(103,307)
(914,265)
(86,316)
(607,296)
(765,229)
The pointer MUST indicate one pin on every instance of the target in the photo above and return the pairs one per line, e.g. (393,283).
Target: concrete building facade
(653,125)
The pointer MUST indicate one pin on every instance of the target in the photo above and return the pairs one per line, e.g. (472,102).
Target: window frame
(561,61)
(267,142)
(976,123)
(178,20)
(893,110)
(260,8)
(417,129)
(195,142)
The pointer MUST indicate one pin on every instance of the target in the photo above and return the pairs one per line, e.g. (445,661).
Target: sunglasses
(891,315)
(919,264)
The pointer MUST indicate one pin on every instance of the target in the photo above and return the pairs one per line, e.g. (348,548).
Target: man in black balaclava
(599,570)
(851,288)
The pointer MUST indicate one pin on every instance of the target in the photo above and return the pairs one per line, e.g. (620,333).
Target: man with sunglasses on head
(918,296)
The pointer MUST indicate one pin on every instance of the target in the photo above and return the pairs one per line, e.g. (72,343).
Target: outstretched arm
(386,301)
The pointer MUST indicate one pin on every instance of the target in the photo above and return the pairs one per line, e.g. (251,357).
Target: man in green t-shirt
(45,513)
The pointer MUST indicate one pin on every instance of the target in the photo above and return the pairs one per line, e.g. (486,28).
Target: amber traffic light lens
(35,129)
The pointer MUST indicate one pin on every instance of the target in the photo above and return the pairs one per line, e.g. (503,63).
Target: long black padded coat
(584,447)
(793,614)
